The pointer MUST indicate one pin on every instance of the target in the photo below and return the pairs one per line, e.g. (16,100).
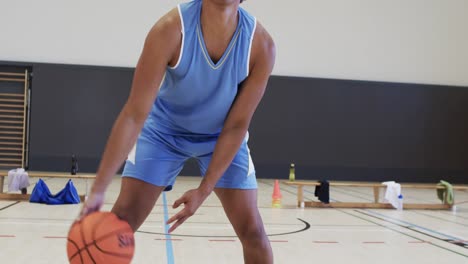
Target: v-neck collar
(228,49)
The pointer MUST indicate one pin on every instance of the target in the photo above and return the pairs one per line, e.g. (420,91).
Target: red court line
(168,239)
(279,241)
(326,242)
(160,213)
(211,205)
(214,206)
(373,242)
(221,240)
(208,205)
(7,236)
(52,237)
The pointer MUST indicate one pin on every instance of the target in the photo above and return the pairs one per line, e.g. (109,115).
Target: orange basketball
(100,237)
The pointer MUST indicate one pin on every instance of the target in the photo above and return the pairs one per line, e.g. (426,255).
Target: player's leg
(152,166)
(136,200)
(237,190)
(241,209)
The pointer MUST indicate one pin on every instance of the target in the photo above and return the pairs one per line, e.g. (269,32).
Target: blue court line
(169,249)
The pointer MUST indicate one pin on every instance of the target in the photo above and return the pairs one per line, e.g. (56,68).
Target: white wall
(422,41)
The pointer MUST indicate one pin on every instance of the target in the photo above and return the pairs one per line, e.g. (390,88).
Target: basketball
(100,237)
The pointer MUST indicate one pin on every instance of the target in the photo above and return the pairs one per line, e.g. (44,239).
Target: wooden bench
(376,188)
(39,174)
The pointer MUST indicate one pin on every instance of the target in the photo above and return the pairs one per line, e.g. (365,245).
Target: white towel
(17,180)
(393,194)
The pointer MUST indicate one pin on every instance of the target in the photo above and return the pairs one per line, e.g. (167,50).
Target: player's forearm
(226,149)
(122,138)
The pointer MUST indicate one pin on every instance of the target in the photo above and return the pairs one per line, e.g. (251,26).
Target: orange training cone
(276,195)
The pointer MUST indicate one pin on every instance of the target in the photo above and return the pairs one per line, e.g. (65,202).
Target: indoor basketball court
(37,233)
(348,118)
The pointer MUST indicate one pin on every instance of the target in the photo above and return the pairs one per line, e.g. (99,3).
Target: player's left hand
(192,200)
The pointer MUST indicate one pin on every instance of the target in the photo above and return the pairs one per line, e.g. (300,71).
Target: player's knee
(253,234)
(127,214)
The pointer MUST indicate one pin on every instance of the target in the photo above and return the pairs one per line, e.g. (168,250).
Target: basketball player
(202,72)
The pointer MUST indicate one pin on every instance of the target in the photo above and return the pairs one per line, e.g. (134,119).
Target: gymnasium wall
(417,41)
(330,128)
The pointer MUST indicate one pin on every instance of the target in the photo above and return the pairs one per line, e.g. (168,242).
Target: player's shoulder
(167,28)
(262,36)
(263,44)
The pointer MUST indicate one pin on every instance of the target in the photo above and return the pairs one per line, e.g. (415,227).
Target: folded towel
(393,194)
(17,179)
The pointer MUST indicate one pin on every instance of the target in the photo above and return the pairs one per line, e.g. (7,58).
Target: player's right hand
(92,204)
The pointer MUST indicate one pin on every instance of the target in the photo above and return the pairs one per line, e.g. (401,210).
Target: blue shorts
(157,158)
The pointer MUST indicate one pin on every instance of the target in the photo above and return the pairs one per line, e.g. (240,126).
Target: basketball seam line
(84,243)
(98,240)
(112,253)
(103,251)
(77,248)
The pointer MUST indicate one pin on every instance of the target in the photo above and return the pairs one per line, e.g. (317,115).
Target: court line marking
(186,224)
(412,211)
(227,223)
(306,227)
(384,226)
(171,239)
(39,219)
(326,242)
(10,205)
(419,232)
(403,233)
(159,213)
(439,218)
(207,206)
(458,215)
(34,223)
(412,225)
(169,248)
(408,224)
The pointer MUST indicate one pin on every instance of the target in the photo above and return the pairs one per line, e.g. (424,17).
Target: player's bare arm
(160,50)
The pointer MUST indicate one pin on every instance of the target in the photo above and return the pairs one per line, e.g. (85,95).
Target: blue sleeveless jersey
(196,94)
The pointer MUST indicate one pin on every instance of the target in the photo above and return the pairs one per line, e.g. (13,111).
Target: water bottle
(400,202)
(292,172)
(74,166)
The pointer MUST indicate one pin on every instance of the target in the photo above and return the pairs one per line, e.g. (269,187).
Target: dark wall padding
(358,130)
(331,129)
(73,110)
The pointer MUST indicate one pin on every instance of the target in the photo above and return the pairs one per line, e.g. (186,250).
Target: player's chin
(228,2)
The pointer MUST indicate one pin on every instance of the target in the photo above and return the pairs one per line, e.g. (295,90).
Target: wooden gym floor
(33,233)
